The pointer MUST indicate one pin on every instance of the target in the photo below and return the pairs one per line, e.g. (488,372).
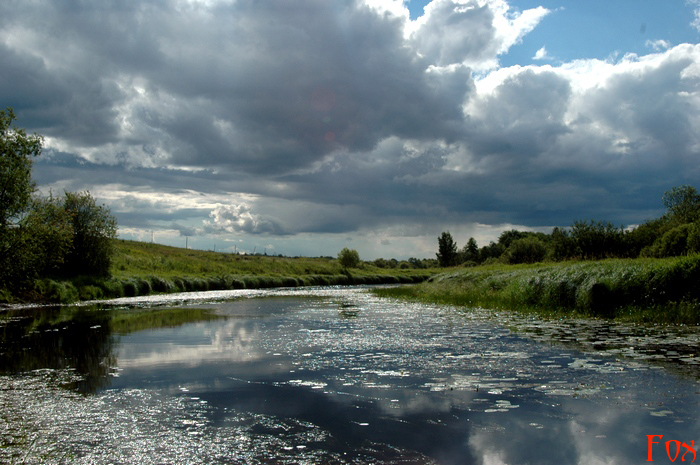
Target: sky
(302,127)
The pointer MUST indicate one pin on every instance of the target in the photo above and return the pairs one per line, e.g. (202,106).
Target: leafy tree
(417,263)
(507,237)
(470,252)
(50,234)
(490,252)
(562,246)
(17,151)
(349,258)
(526,250)
(643,236)
(447,250)
(683,202)
(694,238)
(94,229)
(598,239)
(673,243)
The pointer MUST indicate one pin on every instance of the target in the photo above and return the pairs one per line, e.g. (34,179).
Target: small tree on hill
(447,250)
(349,258)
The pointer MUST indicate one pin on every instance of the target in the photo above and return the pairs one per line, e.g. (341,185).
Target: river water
(333,375)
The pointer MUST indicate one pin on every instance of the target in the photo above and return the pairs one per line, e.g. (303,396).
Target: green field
(140,268)
(639,290)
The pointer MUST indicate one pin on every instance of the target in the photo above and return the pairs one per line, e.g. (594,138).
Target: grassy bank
(641,290)
(142,268)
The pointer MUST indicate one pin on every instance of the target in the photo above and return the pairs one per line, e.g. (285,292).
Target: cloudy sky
(303,126)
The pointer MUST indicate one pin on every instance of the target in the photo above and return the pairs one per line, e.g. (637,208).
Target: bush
(672,244)
(94,229)
(159,284)
(90,293)
(349,258)
(694,238)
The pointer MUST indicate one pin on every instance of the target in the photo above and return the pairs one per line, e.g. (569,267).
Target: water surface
(338,376)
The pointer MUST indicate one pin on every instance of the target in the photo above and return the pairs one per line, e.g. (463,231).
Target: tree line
(675,233)
(45,236)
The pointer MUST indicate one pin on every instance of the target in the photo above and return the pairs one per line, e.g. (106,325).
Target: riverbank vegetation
(645,273)
(139,268)
(45,237)
(675,233)
(639,290)
(63,248)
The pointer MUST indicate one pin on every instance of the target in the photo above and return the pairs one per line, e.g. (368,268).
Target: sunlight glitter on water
(297,378)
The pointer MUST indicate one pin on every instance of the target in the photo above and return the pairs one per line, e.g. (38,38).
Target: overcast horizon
(302,127)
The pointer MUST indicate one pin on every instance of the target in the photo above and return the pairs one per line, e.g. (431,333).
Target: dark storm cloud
(260,86)
(281,118)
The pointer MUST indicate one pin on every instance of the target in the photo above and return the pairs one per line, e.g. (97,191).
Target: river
(337,375)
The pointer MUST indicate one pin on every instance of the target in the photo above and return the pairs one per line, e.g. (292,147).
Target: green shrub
(672,244)
(526,250)
(694,238)
(144,286)
(90,293)
(130,288)
(349,258)
(159,284)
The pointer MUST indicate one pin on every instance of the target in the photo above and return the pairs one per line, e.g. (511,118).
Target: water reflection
(82,340)
(54,338)
(296,379)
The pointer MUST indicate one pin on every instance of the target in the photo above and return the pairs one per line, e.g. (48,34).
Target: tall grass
(642,290)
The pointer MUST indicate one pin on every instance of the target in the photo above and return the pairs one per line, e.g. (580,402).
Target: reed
(639,290)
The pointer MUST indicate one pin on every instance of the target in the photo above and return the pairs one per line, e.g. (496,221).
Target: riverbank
(664,291)
(140,269)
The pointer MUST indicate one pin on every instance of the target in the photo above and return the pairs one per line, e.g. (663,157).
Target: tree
(598,239)
(683,202)
(470,252)
(349,258)
(507,237)
(526,250)
(562,246)
(493,251)
(94,229)
(673,243)
(17,151)
(447,250)
(48,234)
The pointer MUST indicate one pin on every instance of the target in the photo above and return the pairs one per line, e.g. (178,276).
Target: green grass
(638,290)
(137,259)
(140,268)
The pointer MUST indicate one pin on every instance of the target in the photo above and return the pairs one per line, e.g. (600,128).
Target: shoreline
(659,291)
(81,289)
